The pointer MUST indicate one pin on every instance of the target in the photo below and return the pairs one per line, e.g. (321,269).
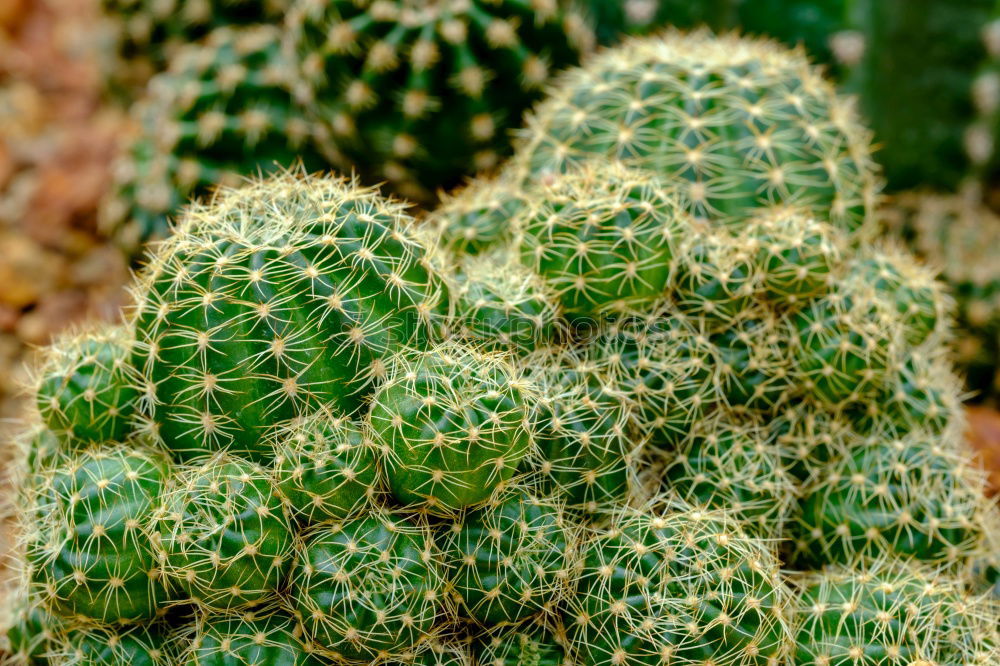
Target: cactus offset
(261,636)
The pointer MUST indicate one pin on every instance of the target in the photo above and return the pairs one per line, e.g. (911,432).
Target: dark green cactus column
(277,299)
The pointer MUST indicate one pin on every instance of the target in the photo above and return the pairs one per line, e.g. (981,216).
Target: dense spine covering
(741,125)
(369,588)
(234,307)
(240,565)
(223,112)
(93,556)
(530,643)
(453,424)
(109,646)
(478,218)
(417,93)
(261,636)
(87,392)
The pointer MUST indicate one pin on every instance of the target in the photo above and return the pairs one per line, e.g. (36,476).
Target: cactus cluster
(673,408)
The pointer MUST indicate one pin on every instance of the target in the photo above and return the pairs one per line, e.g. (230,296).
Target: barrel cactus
(741,124)
(233,307)
(418,93)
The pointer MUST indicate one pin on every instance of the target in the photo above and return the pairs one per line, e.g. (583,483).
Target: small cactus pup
(602,236)
(716,279)
(506,306)
(914,497)
(93,557)
(890,612)
(528,643)
(654,588)
(758,127)
(753,371)
(417,93)
(222,112)
(87,390)
(97,645)
(278,298)
(798,257)
(511,557)
(478,218)
(810,435)
(453,425)
(587,447)
(727,463)
(260,636)
(368,588)
(325,467)
(224,534)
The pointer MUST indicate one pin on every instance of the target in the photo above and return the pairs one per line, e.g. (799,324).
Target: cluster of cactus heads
(587,413)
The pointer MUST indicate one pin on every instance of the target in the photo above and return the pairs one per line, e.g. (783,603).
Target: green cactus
(912,497)
(523,645)
(583,432)
(811,437)
(97,645)
(234,308)
(93,556)
(222,112)
(716,279)
(797,256)
(370,587)
(753,369)
(438,652)
(267,636)
(510,558)
(729,464)
(87,390)
(613,19)
(741,126)
(478,218)
(325,467)
(30,638)
(890,613)
(664,366)
(602,237)
(502,304)
(453,423)
(417,94)
(684,587)
(225,536)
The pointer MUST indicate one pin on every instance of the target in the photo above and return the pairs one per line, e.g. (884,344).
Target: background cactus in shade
(417,94)
(665,367)
(368,588)
(261,636)
(653,588)
(453,424)
(478,218)
(235,306)
(742,125)
(583,433)
(86,392)
(797,256)
(528,643)
(602,237)
(31,632)
(912,497)
(225,538)
(506,306)
(95,645)
(731,465)
(221,113)
(958,236)
(92,555)
(511,557)
(325,467)
(890,612)
(815,24)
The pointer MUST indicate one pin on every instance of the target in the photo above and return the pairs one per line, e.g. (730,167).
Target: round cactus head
(278,298)
(654,589)
(93,557)
(261,636)
(512,557)
(87,390)
(325,467)
(740,124)
(602,236)
(97,645)
(370,587)
(528,643)
(478,218)
(31,632)
(418,93)
(453,425)
(221,113)
(240,565)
